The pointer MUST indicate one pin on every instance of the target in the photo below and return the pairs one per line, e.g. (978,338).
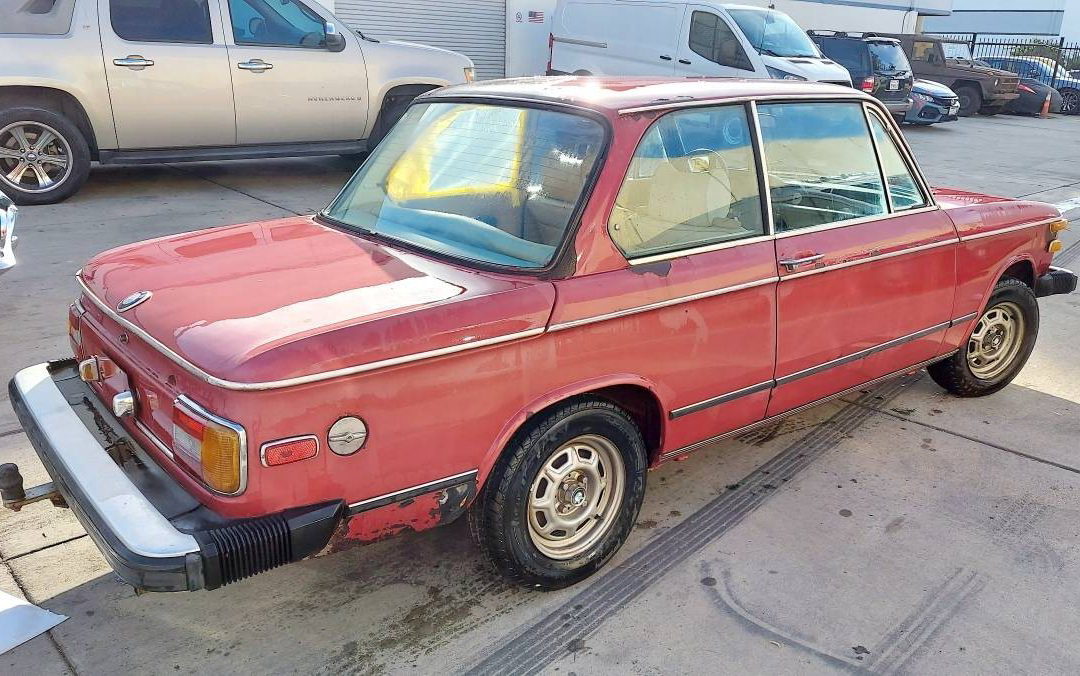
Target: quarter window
(693,182)
(161,20)
(276,23)
(904,191)
(711,38)
(821,164)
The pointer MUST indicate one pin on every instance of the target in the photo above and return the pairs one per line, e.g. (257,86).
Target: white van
(683,37)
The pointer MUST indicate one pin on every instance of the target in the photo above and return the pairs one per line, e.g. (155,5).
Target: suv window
(851,54)
(904,191)
(276,23)
(821,164)
(693,182)
(888,57)
(162,20)
(922,51)
(711,38)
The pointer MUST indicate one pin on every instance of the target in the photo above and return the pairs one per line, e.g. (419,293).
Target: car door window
(904,190)
(161,20)
(711,38)
(276,23)
(922,51)
(821,164)
(693,182)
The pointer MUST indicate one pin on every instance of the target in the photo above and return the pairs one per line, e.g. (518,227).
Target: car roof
(618,94)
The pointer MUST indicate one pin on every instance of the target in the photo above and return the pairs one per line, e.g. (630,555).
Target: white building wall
(1004,17)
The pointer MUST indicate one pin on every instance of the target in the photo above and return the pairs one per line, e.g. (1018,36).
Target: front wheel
(1070,101)
(999,344)
(44,158)
(970,100)
(564,495)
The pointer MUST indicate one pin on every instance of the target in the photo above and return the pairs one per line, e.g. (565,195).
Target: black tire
(72,142)
(500,519)
(1070,101)
(955,373)
(970,100)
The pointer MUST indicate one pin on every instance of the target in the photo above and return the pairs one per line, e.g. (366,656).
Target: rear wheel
(970,100)
(1070,101)
(563,497)
(999,344)
(44,158)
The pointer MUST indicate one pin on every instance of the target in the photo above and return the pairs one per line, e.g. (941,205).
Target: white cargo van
(681,37)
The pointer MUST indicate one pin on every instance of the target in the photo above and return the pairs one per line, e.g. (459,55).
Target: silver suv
(147,81)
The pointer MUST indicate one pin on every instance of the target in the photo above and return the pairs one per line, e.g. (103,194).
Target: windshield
(488,183)
(888,56)
(773,33)
(956,50)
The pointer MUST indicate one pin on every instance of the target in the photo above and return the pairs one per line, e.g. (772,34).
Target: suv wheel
(44,158)
(564,495)
(970,100)
(1070,101)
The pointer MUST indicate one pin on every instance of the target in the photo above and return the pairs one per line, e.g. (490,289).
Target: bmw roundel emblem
(133,300)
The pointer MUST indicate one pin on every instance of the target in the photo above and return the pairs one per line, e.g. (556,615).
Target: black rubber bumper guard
(1056,281)
(228,549)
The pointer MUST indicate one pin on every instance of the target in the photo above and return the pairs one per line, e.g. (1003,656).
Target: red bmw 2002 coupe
(530,293)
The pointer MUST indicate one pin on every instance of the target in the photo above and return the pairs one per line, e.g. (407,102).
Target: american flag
(536,17)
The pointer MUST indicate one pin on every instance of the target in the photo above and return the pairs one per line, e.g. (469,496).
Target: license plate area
(894,85)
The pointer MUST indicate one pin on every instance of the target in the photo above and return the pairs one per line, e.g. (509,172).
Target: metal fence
(1050,60)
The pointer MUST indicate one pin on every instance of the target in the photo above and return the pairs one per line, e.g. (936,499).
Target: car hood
(969,67)
(290,298)
(932,88)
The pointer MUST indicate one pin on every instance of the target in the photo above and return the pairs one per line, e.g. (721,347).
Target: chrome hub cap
(575,497)
(996,341)
(34,157)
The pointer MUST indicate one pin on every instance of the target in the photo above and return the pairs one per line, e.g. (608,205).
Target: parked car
(877,65)
(932,103)
(521,301)
(143,81)
(654,37)
(8,240)
(980,89)
(1033,95)
(1048,74)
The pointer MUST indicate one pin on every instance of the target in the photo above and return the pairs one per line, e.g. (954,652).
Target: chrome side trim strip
(705,248)
(763,170)
(1012,228)
(697,103)
(871,259)
(780,416)
(857,221)
(582,43)
(660,304)
(412,491)
(855,356)
(966,318)
(723,398)
(299,380)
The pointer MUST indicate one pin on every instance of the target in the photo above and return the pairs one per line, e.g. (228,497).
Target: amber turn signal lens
(1058,225)
(1055,246)
(209,445)
(284,451)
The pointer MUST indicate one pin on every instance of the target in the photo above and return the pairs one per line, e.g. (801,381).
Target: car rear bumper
(898,107)
(152,532)
(1056,281)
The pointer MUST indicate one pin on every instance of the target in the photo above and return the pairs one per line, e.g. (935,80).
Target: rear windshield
(888,56)
(488,183)
(773,33)
(851,54)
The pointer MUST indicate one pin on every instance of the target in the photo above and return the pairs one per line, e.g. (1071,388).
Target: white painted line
(21,621)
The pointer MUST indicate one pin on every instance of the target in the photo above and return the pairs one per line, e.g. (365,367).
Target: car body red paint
(247,310)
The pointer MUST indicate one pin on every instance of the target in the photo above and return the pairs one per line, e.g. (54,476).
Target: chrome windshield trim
(871,259)
(299,380)
(411,491)
(1012,228)
(660,304)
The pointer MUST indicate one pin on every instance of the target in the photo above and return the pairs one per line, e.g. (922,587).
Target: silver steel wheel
(576,497)
(996,341)
(34,157)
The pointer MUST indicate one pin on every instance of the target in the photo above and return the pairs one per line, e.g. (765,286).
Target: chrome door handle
(792,263)
(255,65)
(134,62)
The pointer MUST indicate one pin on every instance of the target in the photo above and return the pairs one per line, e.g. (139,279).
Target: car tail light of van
(213,448)
(867,84)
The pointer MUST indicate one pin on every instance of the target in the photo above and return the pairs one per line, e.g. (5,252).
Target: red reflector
(867,84)
(284,451)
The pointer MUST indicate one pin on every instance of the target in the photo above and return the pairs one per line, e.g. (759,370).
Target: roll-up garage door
(476,28)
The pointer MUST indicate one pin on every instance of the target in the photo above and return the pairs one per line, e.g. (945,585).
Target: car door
(287,85)
(710,45)
(867,266)
(168,73)
(692,311)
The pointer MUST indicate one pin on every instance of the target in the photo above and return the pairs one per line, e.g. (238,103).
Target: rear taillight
(1025,88)
(551,50)
(213,448)
(75,313)
(867,84)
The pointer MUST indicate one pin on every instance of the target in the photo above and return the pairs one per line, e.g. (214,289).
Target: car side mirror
(335,42)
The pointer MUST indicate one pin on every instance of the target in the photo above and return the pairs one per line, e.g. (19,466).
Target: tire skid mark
(541,642)
(906,641)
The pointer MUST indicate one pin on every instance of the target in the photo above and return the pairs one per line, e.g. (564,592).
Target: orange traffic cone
(1045,112)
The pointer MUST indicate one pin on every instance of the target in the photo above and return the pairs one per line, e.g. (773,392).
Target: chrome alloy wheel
(996,341)
(1070,102)
(576,496)
(34,157)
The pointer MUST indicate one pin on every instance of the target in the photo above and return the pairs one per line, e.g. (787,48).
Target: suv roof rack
(854,35)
